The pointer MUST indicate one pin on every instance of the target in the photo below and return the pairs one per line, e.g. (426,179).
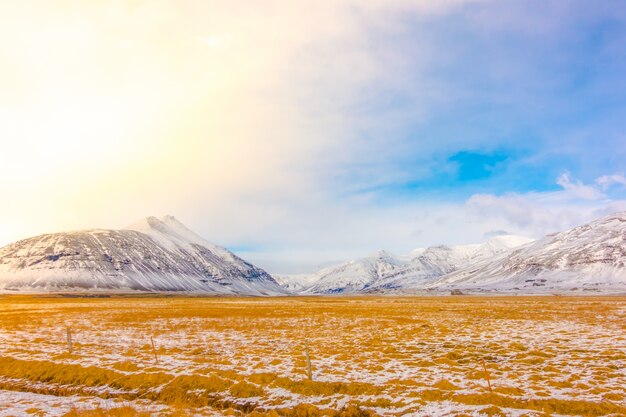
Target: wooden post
(486,375)
(156,356)
(308,360)
(69,339)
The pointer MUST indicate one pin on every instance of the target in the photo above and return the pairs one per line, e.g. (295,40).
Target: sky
(303,133)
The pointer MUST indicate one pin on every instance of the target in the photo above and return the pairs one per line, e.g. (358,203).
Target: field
(517,356)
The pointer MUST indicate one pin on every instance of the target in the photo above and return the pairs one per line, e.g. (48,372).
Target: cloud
(527,213)
(495,233)
(576,189)
(607,181)
(538,213)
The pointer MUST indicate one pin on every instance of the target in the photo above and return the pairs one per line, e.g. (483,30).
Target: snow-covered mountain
(588,258)
(354,276)
(591,257)
(294,283)
(163,255)
(150,255)
(383,271)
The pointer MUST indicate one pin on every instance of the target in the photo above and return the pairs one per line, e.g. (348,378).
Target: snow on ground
(409,356)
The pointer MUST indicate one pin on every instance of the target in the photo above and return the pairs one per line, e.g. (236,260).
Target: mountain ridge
(384,271)
(150,255)
(588,257)
(163,255)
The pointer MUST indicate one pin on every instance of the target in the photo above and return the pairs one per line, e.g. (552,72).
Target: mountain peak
(153,254)
(382,254)
(154,222)
(167,225)
(170,232)
(171,220)
(508,241)
(150,222)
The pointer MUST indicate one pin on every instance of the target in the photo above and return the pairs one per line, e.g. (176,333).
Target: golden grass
(563,407)
(246,356)
(125,411)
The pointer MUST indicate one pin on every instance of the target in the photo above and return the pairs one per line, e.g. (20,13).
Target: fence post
(156,356)
(486,374)
(308,360)
(69,339)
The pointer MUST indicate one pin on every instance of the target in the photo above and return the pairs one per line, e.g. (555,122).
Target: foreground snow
(392,356)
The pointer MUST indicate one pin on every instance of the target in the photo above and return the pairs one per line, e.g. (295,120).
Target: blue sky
(520,102)
(504,99)
(303,133)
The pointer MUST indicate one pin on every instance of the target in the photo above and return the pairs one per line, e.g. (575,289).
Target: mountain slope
(354,276)
(294,283)
(151,255)
(591,257)
(382,271)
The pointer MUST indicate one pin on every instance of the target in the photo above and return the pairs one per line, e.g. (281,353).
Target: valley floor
(412,356)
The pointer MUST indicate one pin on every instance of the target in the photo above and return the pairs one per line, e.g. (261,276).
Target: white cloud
(538,213)
(576,189)
(606,181)
(529,214)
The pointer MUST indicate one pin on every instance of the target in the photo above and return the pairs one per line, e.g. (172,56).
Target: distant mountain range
(588,258)
(162,255)
(151,255)
(385,272)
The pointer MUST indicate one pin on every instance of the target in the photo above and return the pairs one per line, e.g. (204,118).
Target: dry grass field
(541,356)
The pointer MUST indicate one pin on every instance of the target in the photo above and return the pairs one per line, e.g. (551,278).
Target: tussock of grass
(246,390)
(316,388)
(308,410)
(445,385)
(265,378)
(125,411)
(430,395)
(517,346)
(492,411)
(509,390)
(126,366)
(192,390)
(565,407)
(50,372)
